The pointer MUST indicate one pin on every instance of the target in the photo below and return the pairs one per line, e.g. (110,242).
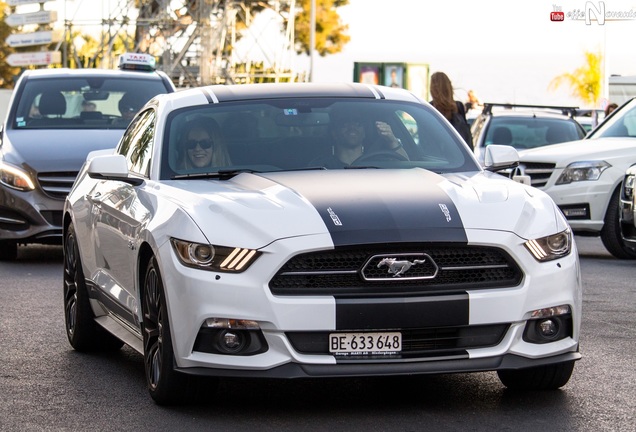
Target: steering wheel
(381,155)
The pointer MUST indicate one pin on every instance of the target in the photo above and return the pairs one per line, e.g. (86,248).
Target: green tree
(585,81)
(331,33)
(7,73)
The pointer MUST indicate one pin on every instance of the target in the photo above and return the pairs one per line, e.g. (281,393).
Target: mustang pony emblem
(398,267)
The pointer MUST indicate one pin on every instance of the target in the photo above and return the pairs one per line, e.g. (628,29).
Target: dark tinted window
(298,133)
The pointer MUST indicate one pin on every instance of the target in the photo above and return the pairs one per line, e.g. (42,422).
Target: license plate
(365,343)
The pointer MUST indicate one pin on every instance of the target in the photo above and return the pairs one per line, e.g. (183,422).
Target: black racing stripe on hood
(381,206)
(377,314)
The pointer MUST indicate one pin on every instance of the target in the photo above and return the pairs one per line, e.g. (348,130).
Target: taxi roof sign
(137,61)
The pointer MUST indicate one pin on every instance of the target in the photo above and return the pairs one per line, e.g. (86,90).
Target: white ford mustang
(315,230)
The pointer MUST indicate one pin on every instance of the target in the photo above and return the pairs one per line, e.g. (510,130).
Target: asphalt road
(46,386)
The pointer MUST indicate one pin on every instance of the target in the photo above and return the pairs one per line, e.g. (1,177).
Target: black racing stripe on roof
(380,93)
(208,95)
(290,90)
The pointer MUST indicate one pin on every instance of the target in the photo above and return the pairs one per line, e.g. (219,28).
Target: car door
(119,217)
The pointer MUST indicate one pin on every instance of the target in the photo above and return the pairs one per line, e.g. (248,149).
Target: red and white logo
(557,16)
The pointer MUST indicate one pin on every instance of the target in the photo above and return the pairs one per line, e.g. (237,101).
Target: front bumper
(296,370)
(194,296)
(30,217)
(588,198)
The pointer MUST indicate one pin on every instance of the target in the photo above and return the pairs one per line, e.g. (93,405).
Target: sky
(506,51)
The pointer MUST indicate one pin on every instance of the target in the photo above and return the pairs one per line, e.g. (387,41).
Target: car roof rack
(568,110)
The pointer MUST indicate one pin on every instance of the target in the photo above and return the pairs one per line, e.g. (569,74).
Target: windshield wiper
(220,174)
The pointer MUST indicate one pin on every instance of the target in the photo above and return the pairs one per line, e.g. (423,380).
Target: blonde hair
(220,156)
(442,93)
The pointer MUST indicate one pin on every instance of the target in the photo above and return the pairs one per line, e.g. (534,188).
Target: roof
(70,73)
(224,93)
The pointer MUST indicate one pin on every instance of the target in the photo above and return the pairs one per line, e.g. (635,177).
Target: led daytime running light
(15,178)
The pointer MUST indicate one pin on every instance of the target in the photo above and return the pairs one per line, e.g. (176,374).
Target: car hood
(55,150)
(587,149)
(365,206)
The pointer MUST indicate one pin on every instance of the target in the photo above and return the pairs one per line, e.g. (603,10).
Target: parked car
(524,126)
(584,177)
(268,263)
(55,118)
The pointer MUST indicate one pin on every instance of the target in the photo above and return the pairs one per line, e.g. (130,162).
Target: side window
(136,143)
(630,123)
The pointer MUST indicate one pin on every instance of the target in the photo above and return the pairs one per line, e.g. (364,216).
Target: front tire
(83,333)
(549,377)
(165,385)
(611,232)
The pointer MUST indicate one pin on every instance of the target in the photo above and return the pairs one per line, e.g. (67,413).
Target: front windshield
(83,102)
(621,123)
(320,133)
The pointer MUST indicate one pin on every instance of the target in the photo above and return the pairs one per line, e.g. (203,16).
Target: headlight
(551,247)
(628,187)
(13,177)
(214,258)
(581,171)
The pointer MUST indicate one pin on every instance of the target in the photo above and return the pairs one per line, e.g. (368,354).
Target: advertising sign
(23,2)
(38,58)
(40,17)
(35,38)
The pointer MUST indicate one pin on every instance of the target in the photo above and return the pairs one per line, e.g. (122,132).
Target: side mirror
(111,167)
(500,157)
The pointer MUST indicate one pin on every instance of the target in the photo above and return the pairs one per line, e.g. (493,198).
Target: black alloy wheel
(165,385)
(83,333)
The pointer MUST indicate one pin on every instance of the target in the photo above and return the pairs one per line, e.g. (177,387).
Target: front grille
(426,342)
(57,184)
(539,172)
(352,271)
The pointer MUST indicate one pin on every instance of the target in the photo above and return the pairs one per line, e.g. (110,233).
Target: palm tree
(584,82)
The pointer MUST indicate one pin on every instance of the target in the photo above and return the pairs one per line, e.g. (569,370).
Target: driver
(349,138)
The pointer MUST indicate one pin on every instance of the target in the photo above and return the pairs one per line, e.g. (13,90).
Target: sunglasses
(348,124)
(204,144)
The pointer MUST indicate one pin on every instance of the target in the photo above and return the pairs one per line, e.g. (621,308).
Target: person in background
(609,108)
(128,107)
(88,106)
(454,111)
(202,145)
(473,102)
(34,111)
